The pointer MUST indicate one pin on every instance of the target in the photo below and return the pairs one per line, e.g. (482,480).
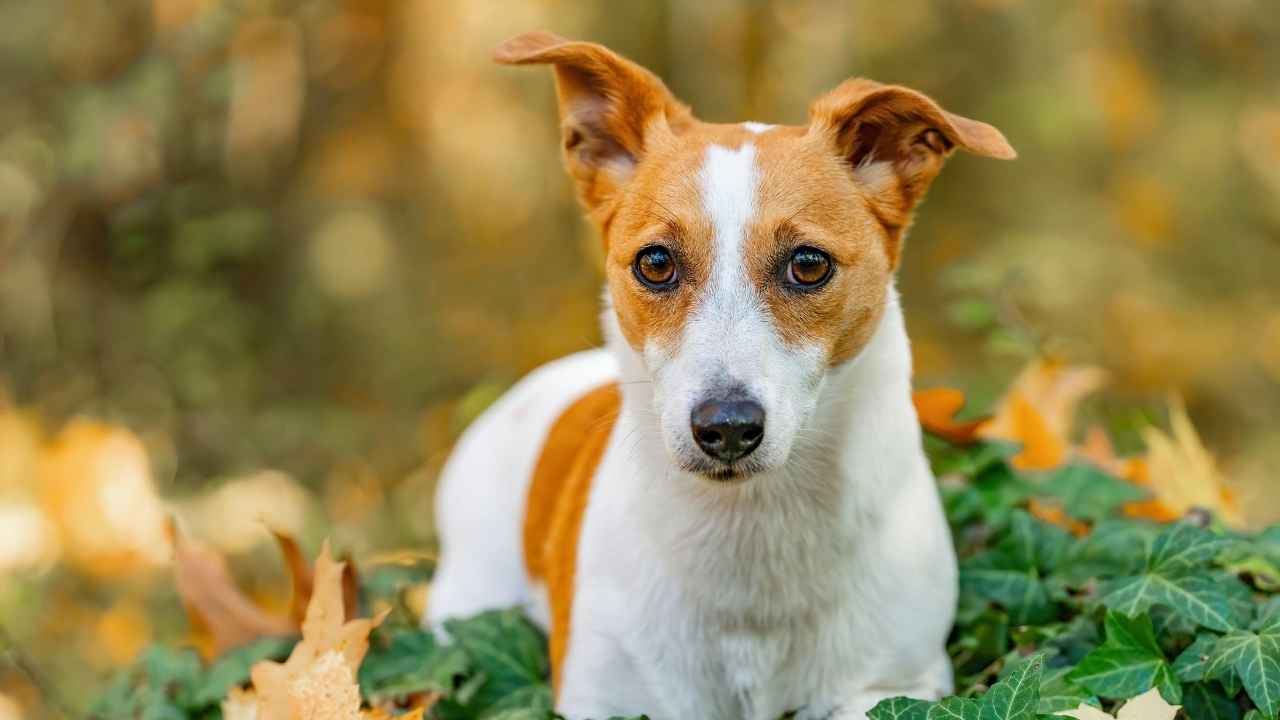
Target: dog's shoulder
(557,502)
(568,458)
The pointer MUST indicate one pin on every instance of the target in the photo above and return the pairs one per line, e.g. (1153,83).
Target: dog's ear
(610,109)
(895,140)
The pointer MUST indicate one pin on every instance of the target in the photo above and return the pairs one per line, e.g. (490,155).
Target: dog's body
(790,553)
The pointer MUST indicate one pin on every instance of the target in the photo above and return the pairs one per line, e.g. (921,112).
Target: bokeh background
(261,260)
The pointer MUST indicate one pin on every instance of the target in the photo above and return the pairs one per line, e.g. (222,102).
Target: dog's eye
(655,268)
(808,268)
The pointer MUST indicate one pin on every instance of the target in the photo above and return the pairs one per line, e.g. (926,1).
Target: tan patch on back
(557,502)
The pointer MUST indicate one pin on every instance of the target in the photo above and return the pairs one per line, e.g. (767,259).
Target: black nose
(728,429)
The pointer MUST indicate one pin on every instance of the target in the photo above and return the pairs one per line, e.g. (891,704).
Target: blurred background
(262,260)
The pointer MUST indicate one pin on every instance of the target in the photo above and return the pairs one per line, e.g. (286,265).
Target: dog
(727,511)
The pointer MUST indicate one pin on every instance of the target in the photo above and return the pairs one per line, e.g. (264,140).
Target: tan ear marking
(609,106)
(526,47)
(896,141)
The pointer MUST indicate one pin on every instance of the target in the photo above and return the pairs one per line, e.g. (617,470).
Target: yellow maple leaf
(1039,410)
(318,681)
(1148,706)
(1182,474)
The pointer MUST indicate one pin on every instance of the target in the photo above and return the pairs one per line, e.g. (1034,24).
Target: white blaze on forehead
(757,127)
(729,343)
(728,196)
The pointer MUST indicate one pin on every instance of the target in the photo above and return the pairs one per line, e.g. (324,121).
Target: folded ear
(896,140)
(610,109)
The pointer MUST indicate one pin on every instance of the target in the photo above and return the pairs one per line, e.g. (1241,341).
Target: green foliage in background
(1048,621)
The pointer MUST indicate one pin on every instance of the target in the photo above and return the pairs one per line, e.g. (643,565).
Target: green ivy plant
(1047,620)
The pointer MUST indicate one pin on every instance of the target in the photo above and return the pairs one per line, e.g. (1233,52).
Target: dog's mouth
(727,473)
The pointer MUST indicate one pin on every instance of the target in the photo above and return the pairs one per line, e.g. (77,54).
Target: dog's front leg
(933,684)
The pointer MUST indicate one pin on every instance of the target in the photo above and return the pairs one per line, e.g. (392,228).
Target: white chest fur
(820,587)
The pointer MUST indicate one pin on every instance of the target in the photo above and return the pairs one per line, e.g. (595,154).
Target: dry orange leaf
(1039,409)
(1055,515)
(299,572)
(318,681)
(1097,449)
(937,408)
(224,616)
(1182,474)
(214,601)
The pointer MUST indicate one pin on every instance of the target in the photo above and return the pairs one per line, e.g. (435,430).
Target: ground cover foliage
(1071,596)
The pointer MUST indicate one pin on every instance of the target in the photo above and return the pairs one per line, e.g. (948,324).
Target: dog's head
(745,260)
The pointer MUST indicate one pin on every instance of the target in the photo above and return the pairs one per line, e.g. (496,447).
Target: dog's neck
(789,529)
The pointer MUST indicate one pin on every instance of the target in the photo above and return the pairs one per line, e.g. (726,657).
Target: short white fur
(821,585)
(729,342)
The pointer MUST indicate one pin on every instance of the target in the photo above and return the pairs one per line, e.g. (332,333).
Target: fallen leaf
(224,616)
(382,714)
(123,630)
(1147,706)
(318,681)
(30,540)
(240,704)
(350,588)
(1055,515)
(937,408)
(299,572)
(1097,449)
(9,708)
(1039,410)
(1182,474)
(236,514)
(96,486)
(19,448)
(213,600)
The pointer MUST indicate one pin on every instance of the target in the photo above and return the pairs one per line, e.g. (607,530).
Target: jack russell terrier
(727,512)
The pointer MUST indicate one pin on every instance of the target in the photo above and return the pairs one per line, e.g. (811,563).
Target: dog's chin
(723,473)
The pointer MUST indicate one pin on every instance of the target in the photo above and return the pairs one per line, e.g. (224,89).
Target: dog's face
(744,261)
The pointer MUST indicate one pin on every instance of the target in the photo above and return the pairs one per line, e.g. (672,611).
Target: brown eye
(808,268)
(655,268)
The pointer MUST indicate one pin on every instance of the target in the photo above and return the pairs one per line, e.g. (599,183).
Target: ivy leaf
(1269,617)
(1114,548)
(900,708)
(1017,697)
(410,662)
(955,708)
(1011,574)
(972,460)
(1020,591)
(1203,701)
(1058,694)
(1129,663)
(1175,577)
(519,713)
(1088,492)
(1185,548)
(1190,665)
(1259,557)
(1195,597)
(533,702)
(503,647)
(1255,658)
